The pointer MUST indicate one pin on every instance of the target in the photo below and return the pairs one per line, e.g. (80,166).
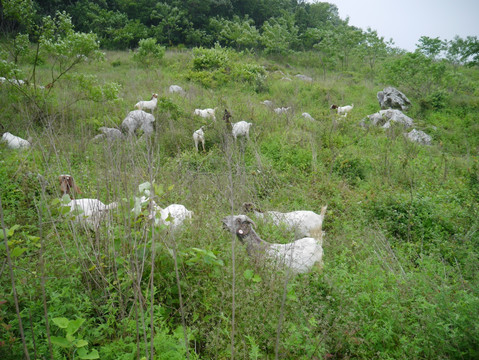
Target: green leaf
(83,354)
(16,252)
(60,341)
(248,274)
(256,278)
(81,343)
(61,322)
(74,325)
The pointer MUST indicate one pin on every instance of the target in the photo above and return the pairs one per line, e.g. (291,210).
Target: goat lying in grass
(15,142)
(299,256)
(302,222)
(173,216)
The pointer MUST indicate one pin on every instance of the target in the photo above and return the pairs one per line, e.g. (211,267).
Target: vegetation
(401,246)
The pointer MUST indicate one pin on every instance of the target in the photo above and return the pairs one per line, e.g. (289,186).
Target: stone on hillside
(307,116)
(176,89)
(304,77)
(419,137)
(109,134)
(391,98)
(384,118)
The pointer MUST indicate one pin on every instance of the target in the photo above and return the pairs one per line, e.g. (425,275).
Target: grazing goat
(307,116)
(68,185)
(109,134)
(302,222)
(206,113)
(172,216)
(148,105)
(299,256)
(15,142)
(343,110)
(241,128)
(90,212)
(138,119)
(282,110)
(199,136)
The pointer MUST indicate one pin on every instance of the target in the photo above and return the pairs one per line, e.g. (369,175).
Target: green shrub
(149,52)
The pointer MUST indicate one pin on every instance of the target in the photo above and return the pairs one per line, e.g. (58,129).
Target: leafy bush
(149,52)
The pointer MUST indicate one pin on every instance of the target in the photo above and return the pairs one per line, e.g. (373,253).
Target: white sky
(406,21)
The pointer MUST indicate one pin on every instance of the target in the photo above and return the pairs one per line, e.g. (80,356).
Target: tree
(279,35)
(238,33)
(431,47)
(372,48)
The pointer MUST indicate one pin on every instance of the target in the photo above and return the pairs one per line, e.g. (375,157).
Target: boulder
(384,118)
(304,77)
(109,134)
(176,89)
(419,137)
(391,98)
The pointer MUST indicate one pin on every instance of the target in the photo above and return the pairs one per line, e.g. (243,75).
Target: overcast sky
(406,21)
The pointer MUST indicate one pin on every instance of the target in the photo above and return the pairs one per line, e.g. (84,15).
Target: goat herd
(299,256)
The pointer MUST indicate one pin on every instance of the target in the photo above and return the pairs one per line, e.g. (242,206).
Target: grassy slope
(401,245)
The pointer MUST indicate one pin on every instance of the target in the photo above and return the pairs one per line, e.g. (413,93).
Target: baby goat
(302,222)
(343,110)
(199,136)
(68,186)
(299,256)
(148,105)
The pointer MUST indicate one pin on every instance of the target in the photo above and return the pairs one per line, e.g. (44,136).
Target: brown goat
(68,186)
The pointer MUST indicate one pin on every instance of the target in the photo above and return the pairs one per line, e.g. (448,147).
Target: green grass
(401,259)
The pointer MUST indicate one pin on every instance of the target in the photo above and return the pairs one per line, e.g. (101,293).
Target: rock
(267,103)
(391,98)
(176,89)
(419,137)
(304,77)
(138,119)
(384,118)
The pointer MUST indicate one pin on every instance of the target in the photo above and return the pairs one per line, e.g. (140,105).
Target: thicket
(401,241)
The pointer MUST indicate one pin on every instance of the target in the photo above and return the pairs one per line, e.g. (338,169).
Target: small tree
(149,52)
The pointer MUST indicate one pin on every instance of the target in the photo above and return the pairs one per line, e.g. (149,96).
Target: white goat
(138,119)
(199,136)
(307,116)
(343,110)
(109,134)
(299,256)
(148,105)
(90,212)
(206,113)
(172,216)
(15,142)
(241,128)
(302,222)
(282,110)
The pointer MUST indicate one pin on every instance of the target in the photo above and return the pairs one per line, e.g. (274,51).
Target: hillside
(399,278)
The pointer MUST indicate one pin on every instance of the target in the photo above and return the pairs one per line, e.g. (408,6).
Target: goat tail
(317,233)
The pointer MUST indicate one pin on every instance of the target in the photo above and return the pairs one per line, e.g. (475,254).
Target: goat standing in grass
(300,256)
(343,110)
(148,105)
(199,136)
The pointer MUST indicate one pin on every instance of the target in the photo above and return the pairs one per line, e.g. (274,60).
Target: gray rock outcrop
(138,120)
(109,134)
(391,98)
(385,118)
(304,77)
(419,137)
